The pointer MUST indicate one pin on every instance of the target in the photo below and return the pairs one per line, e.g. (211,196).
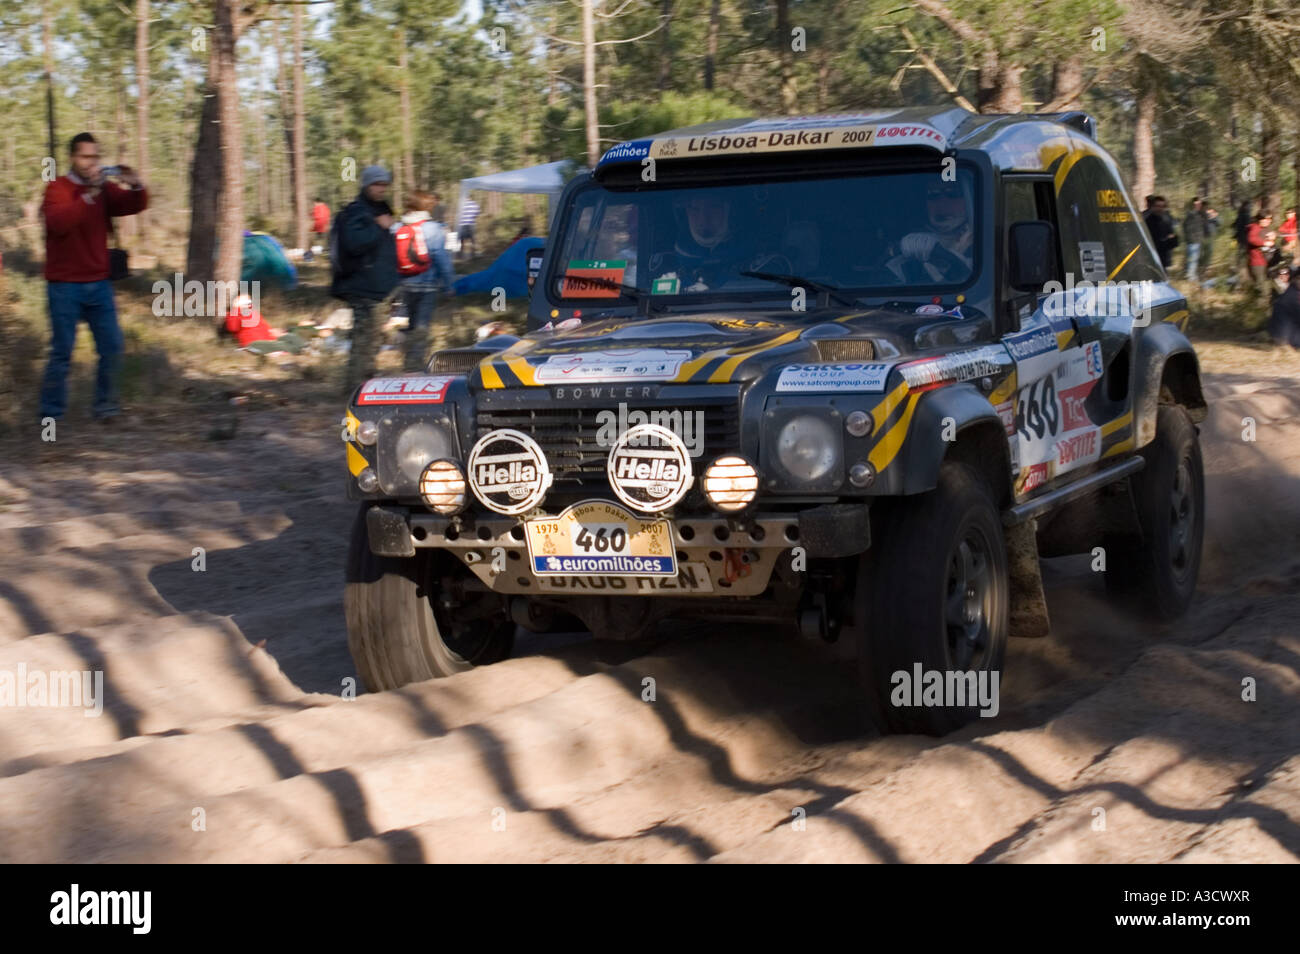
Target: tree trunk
(711,44)
(1270,179)
(589,84)
(1067,83)
(1144,155)
(205,187)
(404,104)
(263,159)
(298,155)
(230,228)
(47,52)
(666,50)
(142,106)
(1001,89)
(789,91)
(288,123)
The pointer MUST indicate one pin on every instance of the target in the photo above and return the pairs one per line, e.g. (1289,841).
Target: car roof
(1012,141)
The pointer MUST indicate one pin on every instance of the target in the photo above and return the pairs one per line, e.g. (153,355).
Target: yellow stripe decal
(1063,338)
(1124,445)
(491,377)
(1112,426)
(884,452)
(1116,269)
(1179,318)
(1004,390)
(725,370)
(880,413)
(523,370)
(356,463)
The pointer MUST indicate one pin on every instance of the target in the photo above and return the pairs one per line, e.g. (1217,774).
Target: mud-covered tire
(1155,574)
(908,610)
(395,630)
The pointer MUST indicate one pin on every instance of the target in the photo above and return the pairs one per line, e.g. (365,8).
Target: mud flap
(1028,603)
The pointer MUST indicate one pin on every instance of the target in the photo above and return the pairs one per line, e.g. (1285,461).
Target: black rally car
(849,373)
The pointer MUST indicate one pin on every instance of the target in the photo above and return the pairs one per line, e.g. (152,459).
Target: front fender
(1165,357)
(942,413)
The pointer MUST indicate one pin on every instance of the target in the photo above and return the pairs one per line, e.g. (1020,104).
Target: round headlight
(442,487)
(367,432)
(858,423)
(418,444)
(806,447)
(731,483)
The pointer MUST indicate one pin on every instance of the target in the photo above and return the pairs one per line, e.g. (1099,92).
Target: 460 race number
(1037,412)
(606,539)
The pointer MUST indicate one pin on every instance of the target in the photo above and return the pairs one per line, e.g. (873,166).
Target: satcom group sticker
(833,377)
(508,472)
(649,468)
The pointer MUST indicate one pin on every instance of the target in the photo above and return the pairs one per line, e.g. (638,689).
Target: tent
(547,179)
(509,271)
(266,262)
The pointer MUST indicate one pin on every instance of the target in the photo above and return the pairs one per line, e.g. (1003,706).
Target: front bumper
(716,555)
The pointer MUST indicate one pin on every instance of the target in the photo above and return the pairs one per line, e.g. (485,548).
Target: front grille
(569,437)
(845,349)
(456,362)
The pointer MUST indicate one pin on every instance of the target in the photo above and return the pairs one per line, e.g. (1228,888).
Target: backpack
(412,251)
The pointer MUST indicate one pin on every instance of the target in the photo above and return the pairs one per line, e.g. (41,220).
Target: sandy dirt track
(223,695)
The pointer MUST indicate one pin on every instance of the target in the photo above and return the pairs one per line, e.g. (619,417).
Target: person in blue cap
(363,262)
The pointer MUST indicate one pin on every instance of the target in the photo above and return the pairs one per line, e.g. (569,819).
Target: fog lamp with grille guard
(442,487)
(731,483)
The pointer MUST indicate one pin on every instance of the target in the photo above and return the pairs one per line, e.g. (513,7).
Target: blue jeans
(70,302)
(420,303)
(1193,259)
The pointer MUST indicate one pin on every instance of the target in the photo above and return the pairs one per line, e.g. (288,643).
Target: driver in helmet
(708,253)
(944,253)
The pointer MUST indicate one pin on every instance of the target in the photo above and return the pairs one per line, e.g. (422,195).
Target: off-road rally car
(852,374)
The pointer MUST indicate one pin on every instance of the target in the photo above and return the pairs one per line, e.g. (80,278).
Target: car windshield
(891,234)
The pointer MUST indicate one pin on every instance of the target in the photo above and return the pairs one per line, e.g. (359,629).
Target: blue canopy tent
(266,262)
(509,271)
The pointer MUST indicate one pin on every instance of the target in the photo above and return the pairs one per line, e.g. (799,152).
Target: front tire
(400,632)
(932,591)
(1155,574)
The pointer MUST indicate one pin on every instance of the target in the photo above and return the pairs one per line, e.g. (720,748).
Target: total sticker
(833,377)
(634,364)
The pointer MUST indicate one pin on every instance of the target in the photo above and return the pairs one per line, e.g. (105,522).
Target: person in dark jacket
(1161,226)
(1195,233)
(366,270)
(1284,325)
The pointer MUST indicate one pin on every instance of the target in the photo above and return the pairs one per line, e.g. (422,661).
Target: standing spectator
(1196,229)
(1240,226)
(320,224)
(465,225)
(1259,242)
(78,209)
(1212,226)
(365,266)
(1284,323)
(439,213)
(1288,234)
(1161,226)
(425,271)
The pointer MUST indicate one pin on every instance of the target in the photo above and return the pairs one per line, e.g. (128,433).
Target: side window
(1105,236)
(1024,199)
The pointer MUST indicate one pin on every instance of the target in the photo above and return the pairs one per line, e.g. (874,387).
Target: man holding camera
(78,209)
(363,258)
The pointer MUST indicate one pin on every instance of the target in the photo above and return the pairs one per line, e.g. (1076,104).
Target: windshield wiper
(824,292)
(642,298)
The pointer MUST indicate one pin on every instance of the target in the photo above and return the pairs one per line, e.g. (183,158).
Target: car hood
(721,347)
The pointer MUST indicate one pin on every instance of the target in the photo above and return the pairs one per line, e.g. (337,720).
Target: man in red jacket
(77,210)
(1259,242)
